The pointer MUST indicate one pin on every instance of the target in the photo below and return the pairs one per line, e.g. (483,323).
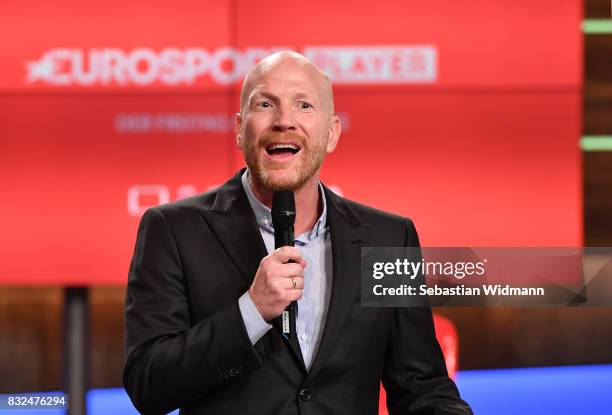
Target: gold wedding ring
(294,283)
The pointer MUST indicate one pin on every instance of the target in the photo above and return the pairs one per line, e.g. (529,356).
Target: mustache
(282,137)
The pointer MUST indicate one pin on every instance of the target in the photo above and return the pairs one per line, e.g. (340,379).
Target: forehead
(287,78)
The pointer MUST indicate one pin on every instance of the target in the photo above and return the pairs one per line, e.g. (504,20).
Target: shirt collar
(263,215)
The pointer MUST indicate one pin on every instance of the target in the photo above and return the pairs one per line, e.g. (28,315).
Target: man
(206,286)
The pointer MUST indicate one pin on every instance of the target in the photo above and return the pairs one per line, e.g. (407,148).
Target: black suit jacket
(187,345)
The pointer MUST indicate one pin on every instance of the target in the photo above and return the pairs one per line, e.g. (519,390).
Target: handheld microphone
(283,218)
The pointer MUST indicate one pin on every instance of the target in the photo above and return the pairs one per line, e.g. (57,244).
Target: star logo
(40,70)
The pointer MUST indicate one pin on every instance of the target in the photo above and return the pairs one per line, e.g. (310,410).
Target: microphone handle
(284,236)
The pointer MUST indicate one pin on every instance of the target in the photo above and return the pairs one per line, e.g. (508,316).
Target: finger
(299,283)
(285,254)
(290,270)
(294,295)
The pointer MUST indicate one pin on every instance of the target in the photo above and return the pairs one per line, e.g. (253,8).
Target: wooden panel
(597,9)
(598,85)
(521,337)
(598,198)
(31,338)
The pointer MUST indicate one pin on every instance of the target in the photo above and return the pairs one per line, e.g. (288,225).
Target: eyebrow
(264,94)
(302,95)
(273,97)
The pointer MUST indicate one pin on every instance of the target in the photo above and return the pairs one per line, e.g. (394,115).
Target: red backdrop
(466,119)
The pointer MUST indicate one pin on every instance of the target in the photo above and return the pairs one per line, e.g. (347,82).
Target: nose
(283,120)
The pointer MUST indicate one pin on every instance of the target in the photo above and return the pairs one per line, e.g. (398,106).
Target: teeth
(282,146)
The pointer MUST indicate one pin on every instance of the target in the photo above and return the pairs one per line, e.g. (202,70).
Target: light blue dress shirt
(315,246)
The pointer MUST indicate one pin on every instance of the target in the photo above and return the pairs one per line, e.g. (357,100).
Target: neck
(308,204)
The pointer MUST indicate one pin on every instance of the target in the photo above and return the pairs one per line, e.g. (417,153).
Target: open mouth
(282,151)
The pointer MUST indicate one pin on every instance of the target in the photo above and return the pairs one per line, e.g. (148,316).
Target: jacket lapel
(348,234)
(233,222)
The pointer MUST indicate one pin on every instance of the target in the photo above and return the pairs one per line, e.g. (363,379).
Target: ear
(335,128)
(237,130)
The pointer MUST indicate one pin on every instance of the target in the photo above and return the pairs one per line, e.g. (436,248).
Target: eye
(264,104)
(305,105)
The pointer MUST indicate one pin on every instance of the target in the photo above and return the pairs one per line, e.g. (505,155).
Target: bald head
(288,59)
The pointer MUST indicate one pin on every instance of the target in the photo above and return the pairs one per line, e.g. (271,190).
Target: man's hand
(273,287)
